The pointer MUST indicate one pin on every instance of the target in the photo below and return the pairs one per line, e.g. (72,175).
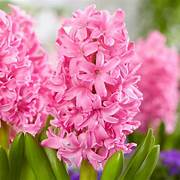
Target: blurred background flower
(159,82)
(171,159)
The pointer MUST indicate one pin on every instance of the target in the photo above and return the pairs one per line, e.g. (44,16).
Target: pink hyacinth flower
(96,98)
(159,83)
(22,72)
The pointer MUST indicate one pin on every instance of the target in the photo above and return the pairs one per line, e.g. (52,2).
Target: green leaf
(136,137)
(4,135)
(16,157)
(161,135)
(113,166)
(149,164)
(57,166)
(27,172)
(87,172)
(37,159)
(42,134)
(139,156)
(4,164)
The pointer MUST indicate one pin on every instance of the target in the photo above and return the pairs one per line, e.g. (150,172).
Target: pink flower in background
(22,67)
(179,77)
(30,45)
(159,83)
(94,95)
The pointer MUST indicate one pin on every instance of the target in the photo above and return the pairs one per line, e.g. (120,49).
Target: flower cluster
(159,83)
(22,63)
(94,93)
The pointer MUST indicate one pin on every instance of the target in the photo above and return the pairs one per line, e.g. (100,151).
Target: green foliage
(4,5)
(57,166)
(149,164)
(140,165)
(160,172)
(87,172)
(27,160)
(161,135)
(166,142)
(16,157)
(162,15)
(4,164)
(114,166)
(27,172)
(141,158)
(4,131)
(37,159)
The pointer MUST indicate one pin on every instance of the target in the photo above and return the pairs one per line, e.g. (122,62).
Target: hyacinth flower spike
(95,108)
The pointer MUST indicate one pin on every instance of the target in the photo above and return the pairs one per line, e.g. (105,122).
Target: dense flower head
(21,104)
(171,159)
(94,93)
(159,83)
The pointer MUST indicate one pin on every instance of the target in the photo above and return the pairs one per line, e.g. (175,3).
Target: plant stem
(4,135)
(87,172)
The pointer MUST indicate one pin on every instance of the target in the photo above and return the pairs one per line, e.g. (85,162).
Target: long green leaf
(16,157)
(161,135)
(87,172)
(139,156)
(4,135)
(27,172)
(113,166)
(149,164)
(4,164)
(37,159)
(57,166)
